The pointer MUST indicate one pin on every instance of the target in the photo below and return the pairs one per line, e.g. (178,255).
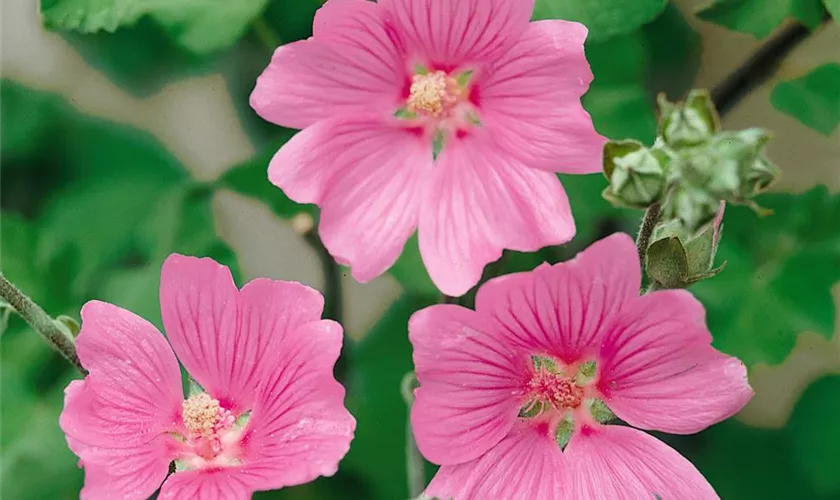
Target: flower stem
(759,67)
(414,462)
(649,222)
(41,322)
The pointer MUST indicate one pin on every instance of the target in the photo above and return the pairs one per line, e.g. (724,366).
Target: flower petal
(525,464)
(116,419)
(620,463)
(199,307)
(368,175)
(469,380)
(215,484)
(478,202)
(563,310)
(353,64)
(300,428)
(530,100)
(661,372)
(451,33)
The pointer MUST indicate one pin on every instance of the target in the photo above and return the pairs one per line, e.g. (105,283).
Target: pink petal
(563,310)
(478,203)
(661,372)
(117,418)
(300,427)
(353,64)
(451,33)
(367,174)
(469,380)
(213,484)
(525,464)
(620,463)
(530,100)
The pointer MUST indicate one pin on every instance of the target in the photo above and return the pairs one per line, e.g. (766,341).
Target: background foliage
(91,208)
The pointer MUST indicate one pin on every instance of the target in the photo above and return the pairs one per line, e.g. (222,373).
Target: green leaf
(620,106)
(28,119)
(251,179)
(292,20)
(833,8)
(815,435)
(380,360)
(778,278)
(205,26)
(410,271)
(813,99)
(604,18)
(761,17)
(674,51)
(201,26)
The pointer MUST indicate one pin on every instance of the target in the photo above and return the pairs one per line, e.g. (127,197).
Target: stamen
(433,93)
(204,417)
(560,391)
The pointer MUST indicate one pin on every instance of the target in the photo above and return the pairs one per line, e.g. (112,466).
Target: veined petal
(450,33)
(620,463)
(470,384)
(368,175)
(116,419)
(299,428)
(564,310)
(530,100)
(478,203)
(353,64)
(216,484)
(525,464)
(661,372)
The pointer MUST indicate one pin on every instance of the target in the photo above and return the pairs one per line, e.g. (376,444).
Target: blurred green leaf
(291,21)
(604,18)
(37,463)
(778,277)
(201,26)
(251,179)
(380,360)
(833,8)
(618,101)
(745,463)
(815,435)
(411,273)
(761,17)
(18,241)
(813,99)
(674,51)
(28,119)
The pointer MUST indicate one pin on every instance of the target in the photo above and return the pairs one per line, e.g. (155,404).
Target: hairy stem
(41,322)
(649,222)
(759,68)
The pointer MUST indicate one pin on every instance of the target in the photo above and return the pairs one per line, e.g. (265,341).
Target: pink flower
(514,396)
(379,85)
(270,414)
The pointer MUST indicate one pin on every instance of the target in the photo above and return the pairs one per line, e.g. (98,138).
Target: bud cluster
(689,172)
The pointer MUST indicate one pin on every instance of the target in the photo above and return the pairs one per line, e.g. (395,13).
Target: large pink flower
(381,85)
(514,396)
(270,414)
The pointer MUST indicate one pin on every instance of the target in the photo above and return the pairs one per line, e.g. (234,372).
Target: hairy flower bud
(636,174)
(690,123)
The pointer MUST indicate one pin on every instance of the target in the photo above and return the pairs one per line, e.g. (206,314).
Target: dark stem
(759,68)
(41,322)
(333,305)
(649,222)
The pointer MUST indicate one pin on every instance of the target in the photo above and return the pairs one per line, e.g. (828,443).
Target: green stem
(266,34)
(41,322)
(649,222)
(333,302)
(414,462)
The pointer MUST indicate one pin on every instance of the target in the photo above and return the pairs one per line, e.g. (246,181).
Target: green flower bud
(693,206)
(690,123)
(636,174)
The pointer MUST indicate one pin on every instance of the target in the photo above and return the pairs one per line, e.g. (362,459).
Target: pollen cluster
(433,93)
(559,391)
(204,417)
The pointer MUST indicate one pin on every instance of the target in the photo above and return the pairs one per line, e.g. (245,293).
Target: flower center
(433,94)
(213,434)
(559,391)
(204,416)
